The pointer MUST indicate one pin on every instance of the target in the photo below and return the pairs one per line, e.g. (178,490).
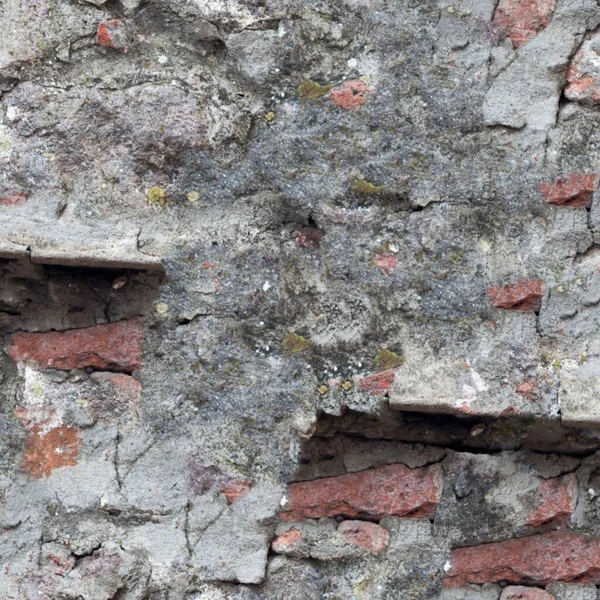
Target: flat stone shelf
(76,247)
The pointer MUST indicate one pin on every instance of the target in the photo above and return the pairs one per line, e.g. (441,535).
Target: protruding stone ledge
(104,258)
(72,246)
(12,251)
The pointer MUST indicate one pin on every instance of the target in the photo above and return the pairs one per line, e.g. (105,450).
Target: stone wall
(299,299)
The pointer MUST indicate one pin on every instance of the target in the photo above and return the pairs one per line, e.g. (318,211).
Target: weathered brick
(556,501)
(572,591)
(378,384)
(235,490)
(386,262)
(351,95)
(113,347)
(112,34)
(370,536)
(45,452)
(534,560)
(577,189)
(289,542)
(518,592)
(522,20)
(524,294)
(390,490)
(583,74)
(13,198)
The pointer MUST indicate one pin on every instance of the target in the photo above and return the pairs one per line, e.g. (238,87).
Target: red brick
(372,494)
(524,294)
(576,189)
(536,560)
(370,536)
(556,501)
(13,198)
(583,74)
(386,262)
(113,347)
(582,88)
(112,34)
(45,452)
(378,384)
(288,542)
(522,20)
(518,592)
(235,490)
(351,95)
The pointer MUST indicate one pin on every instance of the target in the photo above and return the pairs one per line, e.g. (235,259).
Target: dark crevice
(91,552)
(494,434)
(46,298)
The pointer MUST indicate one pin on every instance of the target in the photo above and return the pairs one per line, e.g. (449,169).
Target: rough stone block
(471,592)
(579,393)
(234,547)
(573,591)
(519,592)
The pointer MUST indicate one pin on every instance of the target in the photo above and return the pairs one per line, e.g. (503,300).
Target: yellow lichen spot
(386,359)
(37,391)
(365,187)
(5,146)
(270,117)
(485,246)
(347,386)
(82,401)
(311,90)
(323,389)
(193,196)
(157,195)
(162,308)
(294,344)
(360,588)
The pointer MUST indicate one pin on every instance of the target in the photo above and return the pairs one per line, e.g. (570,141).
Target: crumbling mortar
(116,461)
(186,528)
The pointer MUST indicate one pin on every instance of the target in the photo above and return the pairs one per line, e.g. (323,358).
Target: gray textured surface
(298,240)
